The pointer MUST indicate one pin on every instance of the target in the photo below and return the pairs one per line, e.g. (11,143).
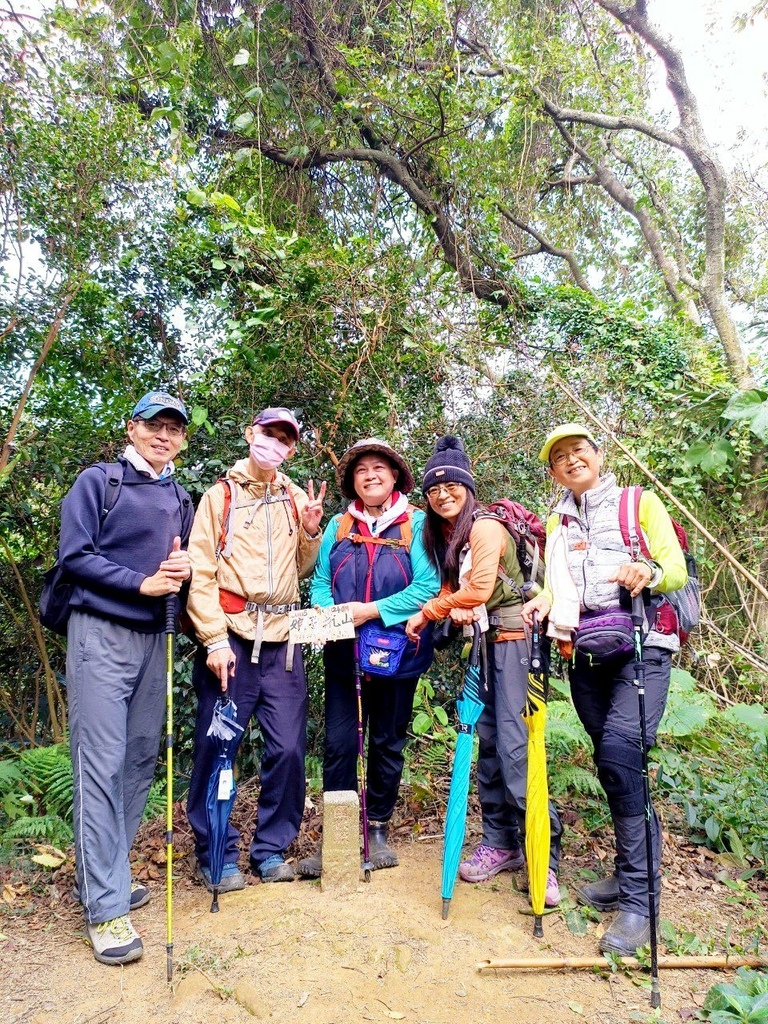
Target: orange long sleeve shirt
(488,543)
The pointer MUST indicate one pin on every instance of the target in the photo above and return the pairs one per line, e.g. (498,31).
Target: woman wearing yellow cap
(588,562)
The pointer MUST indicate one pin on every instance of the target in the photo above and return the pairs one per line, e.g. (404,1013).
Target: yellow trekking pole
(170,633)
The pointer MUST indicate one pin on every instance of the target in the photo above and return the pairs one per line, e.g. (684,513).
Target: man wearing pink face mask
(255,535)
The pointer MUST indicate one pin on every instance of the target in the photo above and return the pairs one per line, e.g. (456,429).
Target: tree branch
(549,247)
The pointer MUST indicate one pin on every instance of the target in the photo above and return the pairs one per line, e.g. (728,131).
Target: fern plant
(47,771)
(33,828)
(37,794)
(569,753)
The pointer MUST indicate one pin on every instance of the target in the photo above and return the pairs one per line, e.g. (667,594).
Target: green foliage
(745,1001)
(36,796)
(714,768)
(569,754)
(751,407)
(36,792)
(429,754)
(688,707)
(684,943)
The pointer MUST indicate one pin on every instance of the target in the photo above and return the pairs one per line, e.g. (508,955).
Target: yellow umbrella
(537,828)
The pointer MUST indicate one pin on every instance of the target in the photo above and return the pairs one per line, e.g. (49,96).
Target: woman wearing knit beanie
(478,563)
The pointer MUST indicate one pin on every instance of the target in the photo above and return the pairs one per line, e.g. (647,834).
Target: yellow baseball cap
(560,433)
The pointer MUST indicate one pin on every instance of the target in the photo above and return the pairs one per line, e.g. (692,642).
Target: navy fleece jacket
(109,565)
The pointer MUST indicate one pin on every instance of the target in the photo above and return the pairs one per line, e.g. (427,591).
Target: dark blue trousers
(387,709)
(278,699)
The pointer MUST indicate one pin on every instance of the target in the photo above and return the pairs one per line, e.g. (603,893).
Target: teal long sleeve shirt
(398,607)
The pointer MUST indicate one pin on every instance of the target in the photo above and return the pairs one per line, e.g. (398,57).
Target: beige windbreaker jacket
(269,556)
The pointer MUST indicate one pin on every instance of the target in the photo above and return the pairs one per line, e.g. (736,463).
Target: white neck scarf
(377,524)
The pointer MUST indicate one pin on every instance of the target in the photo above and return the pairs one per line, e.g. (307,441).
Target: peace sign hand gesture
(313,512)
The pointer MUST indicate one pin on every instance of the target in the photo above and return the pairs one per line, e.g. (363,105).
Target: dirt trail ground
(291,953)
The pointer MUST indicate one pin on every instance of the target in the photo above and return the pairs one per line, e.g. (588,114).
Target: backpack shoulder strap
(113,471)
(629,521)
(227,535)
(289,494)
(344,526)
(347,524)
(406,528)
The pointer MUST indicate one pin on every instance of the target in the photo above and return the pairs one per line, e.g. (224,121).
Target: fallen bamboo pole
(675,963)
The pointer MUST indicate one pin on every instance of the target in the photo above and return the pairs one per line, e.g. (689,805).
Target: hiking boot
(115,941)
(488,861)
(140,894)
(311,866)
(232,878)
(380,854)
(602,895)
(552,894)
(626,934)
(274,869)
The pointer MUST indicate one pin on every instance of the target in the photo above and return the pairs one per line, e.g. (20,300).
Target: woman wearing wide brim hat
(372,556)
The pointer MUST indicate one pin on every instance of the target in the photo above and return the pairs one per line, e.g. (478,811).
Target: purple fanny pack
(603,636)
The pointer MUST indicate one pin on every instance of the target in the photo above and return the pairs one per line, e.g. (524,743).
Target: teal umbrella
(469,708)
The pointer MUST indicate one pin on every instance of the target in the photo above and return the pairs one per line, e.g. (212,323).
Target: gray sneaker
(274,869)
(232,878)
(140,894)
(115,941)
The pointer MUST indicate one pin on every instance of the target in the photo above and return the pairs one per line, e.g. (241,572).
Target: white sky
(726,69)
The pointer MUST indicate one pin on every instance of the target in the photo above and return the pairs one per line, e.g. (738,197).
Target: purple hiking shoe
(488,861)
(552,896)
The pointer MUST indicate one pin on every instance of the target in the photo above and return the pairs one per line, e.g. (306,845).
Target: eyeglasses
(154,426)
(577,452)
(434,492)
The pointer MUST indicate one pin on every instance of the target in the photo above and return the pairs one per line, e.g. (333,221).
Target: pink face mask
(267,452)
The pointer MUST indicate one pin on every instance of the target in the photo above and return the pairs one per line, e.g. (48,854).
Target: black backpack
(57,586)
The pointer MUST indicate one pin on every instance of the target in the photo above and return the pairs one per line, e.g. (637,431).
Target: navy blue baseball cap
(155,402)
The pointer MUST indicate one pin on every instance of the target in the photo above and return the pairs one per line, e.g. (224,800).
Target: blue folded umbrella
(226,733)
(469,709)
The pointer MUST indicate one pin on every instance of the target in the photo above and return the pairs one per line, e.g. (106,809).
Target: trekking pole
(170,633)
(638,616)
(367,866)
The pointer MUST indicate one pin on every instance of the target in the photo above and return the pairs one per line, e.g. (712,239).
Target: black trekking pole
(170,634)
(367,866)
(638,617)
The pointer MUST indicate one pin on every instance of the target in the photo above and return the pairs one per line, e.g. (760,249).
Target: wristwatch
(656,570)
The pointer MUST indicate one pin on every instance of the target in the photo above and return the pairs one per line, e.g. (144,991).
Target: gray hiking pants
(502,766)
(116,697)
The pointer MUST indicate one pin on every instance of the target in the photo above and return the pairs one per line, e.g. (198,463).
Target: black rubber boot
(602,895)
(311,866)
(380,854)
(631,863)
(626,934)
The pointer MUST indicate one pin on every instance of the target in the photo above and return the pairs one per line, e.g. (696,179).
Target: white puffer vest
(596,550)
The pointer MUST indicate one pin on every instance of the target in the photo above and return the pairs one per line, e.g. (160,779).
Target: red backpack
(687,600)
(529,535)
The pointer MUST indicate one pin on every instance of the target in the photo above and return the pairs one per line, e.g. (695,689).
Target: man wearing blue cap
(124,527)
